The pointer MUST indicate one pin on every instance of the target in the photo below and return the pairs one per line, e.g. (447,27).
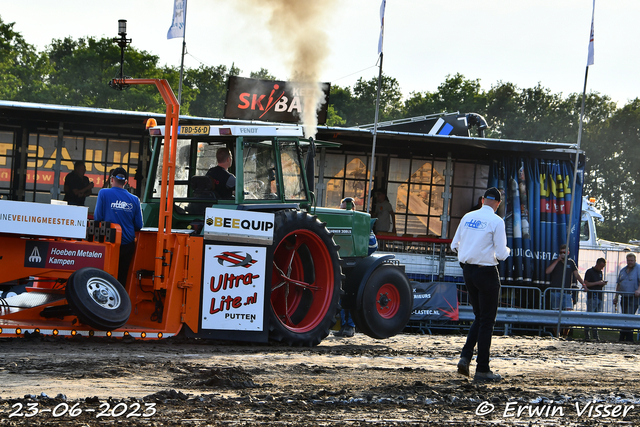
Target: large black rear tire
(385,304)
(306,280)
(98,299)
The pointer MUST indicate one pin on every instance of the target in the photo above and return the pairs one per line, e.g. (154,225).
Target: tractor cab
(267,163)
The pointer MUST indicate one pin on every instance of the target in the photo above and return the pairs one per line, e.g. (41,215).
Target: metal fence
(425,259)
(522,308)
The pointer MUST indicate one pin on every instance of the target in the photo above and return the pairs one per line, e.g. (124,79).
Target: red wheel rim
(289,284)
(388,301)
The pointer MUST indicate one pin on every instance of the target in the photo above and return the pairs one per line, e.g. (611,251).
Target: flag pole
(383,6)
(184,48)
(375,134)
(590,60)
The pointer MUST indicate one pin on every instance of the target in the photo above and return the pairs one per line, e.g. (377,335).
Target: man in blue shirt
(118,206)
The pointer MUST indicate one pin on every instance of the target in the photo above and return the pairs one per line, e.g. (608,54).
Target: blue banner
(536,209)
(434,301)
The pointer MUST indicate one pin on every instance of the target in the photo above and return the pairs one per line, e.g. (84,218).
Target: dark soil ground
(406,380)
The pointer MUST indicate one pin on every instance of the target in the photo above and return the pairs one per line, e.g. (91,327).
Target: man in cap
(481,241)
(118,206)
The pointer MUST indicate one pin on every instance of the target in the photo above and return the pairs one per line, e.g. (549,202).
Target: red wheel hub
(388,301)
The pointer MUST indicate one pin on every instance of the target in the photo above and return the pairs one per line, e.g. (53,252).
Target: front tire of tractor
(385,303)
(306,280)
(98,299)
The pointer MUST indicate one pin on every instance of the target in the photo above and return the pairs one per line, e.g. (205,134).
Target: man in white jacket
(481,241)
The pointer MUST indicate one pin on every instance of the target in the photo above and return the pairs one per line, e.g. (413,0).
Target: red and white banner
(233,288)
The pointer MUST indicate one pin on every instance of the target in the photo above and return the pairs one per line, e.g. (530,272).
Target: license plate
(193,130)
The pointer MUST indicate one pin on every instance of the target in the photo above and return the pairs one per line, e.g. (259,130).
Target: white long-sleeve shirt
(481,238)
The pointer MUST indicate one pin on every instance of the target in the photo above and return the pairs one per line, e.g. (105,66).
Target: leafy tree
(263,74)
(333,119)
(341,102)
(209,89)
(23,71)
(82,70)
(457,93)
(533,114)
(614,172)
(361,109)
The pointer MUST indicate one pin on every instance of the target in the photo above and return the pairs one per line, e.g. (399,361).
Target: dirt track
(406,380)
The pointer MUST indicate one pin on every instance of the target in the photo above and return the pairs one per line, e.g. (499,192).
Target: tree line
(76,71)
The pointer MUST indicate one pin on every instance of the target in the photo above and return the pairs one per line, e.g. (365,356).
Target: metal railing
(524,308)
(425,259)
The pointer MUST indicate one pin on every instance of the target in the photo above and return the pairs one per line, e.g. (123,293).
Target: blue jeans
(345,319)
(628,305)
(483,285)
(567,302)
(594,305)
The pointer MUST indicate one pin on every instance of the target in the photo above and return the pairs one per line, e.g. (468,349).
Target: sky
(525,43)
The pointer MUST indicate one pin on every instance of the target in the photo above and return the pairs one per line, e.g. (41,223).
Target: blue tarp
(537,202)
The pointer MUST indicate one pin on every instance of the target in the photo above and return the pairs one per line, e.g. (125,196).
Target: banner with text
(233,289)
(270,100)
(434,301)
(537,205)
(39,219)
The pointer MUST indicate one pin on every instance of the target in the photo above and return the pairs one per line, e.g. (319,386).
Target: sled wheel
(385,303)
(98,299)
(306,280)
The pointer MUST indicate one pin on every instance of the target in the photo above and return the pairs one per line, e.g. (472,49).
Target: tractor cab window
(181,177)
(290,158)
(260,180)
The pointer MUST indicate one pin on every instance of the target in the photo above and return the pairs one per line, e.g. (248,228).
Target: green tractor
(318,258)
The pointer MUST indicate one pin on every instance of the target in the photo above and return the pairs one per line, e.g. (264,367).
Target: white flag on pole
(382,6)
(178,22)
(590,57)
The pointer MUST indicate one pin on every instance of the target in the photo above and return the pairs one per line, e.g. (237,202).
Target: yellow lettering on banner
(544,190)
(39,154)
(65,155)
(4,148)
(89,159)
(117,157)
(235,223)
(98,160)
(559,187)
(127,158)
(217,222)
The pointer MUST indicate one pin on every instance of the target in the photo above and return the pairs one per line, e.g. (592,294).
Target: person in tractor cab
(118,206)
(223,181)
